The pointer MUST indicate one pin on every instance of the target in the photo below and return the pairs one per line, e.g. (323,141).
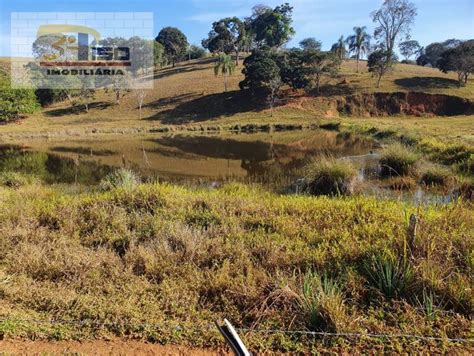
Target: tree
(432,53)
(15,102)
(260,68)
(174,42)
(339,48)
(409,48)
(317,64)
(359,43)
(140,95)
(273,28)
(380,62)
(459,60)
(226,66)
(195,52)
(311,43)
(159,56)
(228,35)
(394,19)
(274,86)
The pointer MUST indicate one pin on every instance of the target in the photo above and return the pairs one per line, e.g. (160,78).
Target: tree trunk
(117,97)
(86,106)
(237,58)
(378,82)
(318,83)
(225,82)
(140,108)
(358,57)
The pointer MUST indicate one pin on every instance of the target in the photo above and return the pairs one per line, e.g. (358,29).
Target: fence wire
(212,327)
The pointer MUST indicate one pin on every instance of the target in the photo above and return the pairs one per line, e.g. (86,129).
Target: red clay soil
(114,347)
(411,103)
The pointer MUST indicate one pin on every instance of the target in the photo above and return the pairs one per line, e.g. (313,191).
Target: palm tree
(359,43)
(339,48)
(225,65)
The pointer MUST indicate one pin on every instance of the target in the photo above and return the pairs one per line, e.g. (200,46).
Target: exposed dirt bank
(400,103)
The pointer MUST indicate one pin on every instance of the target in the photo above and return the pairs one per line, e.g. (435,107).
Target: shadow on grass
(183,68)
(209,107)
(78,109)
(426,82)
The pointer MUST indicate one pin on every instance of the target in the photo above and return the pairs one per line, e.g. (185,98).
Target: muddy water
(268,158)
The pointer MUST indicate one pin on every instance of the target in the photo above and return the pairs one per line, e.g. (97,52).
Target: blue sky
(324,19)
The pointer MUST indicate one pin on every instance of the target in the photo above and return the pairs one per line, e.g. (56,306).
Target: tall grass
(398,160)
(122,178)
(392,276)
(330,176)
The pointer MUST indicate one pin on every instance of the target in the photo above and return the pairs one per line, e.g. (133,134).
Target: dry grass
(162,262)
(191,94)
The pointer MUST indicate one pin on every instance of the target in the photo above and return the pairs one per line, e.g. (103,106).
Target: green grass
(330,176)
(162,262)
(398,160)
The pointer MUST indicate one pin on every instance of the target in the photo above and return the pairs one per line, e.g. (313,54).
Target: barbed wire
(212,327)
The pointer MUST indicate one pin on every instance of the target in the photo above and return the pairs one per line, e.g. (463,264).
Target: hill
(191,94)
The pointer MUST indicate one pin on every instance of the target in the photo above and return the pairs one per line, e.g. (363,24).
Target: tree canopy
(394,19)
(272,27)
(174,42)
(460,60)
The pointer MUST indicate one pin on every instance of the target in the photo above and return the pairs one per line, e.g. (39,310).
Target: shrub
(122,178)
(323,303)
(397,160)
(15,102)
(329,176)
(391,276)
(15,179)
(437,175)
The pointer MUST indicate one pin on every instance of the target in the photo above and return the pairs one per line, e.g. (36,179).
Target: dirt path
(115,347)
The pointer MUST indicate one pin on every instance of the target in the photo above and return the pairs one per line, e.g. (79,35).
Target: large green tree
(174,42)
(460,60)
(227,36)
(260,69)
(318,64)
(359,43)
(394,19)
(380,63)
(273,27)
(409,48)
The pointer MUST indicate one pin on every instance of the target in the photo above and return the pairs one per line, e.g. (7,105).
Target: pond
(267,158)
(275,160)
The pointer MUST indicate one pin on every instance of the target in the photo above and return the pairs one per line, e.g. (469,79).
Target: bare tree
(394,19)
(140,95)
(274,86)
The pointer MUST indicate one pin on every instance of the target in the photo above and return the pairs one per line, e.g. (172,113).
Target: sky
(326,20)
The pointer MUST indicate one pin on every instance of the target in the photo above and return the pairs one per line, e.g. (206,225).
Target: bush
(329,176)
(437,175)
(323,303)
(122,178)
(15,102)
(397,160)
(16,180)
(391,276)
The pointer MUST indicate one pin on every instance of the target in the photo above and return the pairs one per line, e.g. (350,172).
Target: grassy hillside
(162,263)
(191,94)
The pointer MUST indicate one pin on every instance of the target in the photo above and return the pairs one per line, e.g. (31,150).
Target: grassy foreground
(162,262)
